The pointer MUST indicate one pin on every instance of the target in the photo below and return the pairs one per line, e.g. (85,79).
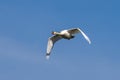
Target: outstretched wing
(50,44)
(74,30)
(78,30)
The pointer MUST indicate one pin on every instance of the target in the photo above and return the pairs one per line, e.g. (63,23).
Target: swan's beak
(53,33)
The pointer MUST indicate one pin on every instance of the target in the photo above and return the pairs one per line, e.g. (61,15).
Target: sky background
(25,26)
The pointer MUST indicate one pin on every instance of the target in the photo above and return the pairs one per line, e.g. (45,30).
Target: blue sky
(25,26)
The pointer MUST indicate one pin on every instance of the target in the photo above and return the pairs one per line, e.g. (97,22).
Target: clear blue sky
(25,26)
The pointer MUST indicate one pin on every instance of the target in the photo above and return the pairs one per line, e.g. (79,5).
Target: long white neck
(56,33)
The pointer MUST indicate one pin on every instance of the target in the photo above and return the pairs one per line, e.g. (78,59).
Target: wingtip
(47,57)
(85,36)
(90,42)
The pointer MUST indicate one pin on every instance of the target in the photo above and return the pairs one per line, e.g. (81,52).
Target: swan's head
(54,33)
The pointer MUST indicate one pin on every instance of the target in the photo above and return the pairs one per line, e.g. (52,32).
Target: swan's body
(66,34)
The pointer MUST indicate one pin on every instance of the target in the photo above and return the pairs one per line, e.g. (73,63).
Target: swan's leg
(72,37)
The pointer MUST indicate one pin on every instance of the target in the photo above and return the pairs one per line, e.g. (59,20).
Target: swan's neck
(56,33)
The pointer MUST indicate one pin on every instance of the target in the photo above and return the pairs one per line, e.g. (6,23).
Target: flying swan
(64,34)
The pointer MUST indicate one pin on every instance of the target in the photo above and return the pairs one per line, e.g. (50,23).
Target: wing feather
(78,30)
(73,31)
(51,42)
(85,36)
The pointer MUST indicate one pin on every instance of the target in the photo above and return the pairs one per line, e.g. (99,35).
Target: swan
(64,34)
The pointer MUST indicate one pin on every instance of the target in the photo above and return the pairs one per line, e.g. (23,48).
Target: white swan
(64,34)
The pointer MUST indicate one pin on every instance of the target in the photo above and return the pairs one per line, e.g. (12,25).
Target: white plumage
(64,34)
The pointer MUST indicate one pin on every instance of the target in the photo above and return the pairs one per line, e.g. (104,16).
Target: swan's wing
(78,30)
(85,36)
(50,44)
(74,31)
